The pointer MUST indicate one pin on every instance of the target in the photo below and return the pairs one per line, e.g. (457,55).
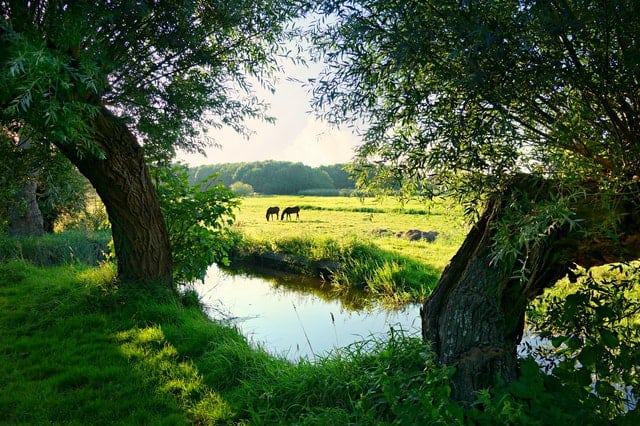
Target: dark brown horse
(271,211)
(289,211)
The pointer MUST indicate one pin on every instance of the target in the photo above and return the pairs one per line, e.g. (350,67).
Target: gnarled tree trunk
(123,183)
(475,317)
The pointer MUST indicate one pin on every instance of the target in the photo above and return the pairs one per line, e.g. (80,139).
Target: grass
(78,347)
(344,229)
(87,247)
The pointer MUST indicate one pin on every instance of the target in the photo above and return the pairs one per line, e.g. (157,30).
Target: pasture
(329,227)
(349,218)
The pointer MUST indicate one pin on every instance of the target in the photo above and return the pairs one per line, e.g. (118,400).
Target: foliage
(99,79)
(241,188)
(61,190)
(278,177)
(533,399)
(391,381)
(196,220)
(93,218)
(595,335)
(459,98)
(465,94)
(171,69)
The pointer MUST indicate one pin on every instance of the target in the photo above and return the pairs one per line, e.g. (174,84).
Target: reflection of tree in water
(350,299)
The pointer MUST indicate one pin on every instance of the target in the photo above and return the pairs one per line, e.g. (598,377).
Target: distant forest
(278,177)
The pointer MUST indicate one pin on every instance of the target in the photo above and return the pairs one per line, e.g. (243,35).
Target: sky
(296,136)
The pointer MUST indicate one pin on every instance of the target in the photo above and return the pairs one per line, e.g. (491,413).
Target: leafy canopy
(172,68)
(467,93)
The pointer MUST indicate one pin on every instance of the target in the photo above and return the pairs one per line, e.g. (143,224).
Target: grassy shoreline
(78,347)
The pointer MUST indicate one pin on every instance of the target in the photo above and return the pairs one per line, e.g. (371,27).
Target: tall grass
(76,246)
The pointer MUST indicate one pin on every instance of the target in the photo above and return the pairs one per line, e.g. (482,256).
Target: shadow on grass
(77,347)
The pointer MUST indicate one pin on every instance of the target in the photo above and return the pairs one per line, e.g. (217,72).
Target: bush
(242,189)
(197,220)
(320,192)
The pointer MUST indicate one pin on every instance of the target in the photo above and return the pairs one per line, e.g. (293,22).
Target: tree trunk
(123,182)
(475,317)
(25,218)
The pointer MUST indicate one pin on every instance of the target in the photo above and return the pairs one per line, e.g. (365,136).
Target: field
(345,222)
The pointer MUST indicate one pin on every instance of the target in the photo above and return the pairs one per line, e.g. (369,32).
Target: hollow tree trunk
(123,183)
(475,317)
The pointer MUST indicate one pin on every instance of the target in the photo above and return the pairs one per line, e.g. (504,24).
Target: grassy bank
(347,229)
(77,347)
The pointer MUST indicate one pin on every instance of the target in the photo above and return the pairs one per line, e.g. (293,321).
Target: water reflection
(295,316)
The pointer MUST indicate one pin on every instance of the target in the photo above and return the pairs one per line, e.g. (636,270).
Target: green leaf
(609,338)
(587,357)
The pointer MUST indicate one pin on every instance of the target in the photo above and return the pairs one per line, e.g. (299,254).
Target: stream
(294,316)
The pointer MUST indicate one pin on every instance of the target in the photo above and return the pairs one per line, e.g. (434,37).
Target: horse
(289,211)
(271,211)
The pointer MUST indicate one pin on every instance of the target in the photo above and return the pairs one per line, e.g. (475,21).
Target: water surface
(296,316)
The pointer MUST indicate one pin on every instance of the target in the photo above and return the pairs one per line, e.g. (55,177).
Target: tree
(528,107)
(100,79)
(19,175)
(241,188)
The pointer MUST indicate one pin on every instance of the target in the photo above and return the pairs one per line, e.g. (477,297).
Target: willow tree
(530,108)
(101,80)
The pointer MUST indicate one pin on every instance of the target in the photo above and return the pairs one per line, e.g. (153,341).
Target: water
(296,317)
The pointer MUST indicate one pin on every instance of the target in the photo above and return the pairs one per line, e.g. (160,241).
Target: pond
(297,317)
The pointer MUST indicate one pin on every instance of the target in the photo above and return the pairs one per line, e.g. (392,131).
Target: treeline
(278,177)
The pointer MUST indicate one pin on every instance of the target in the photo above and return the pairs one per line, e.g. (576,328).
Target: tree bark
(25,218)
(123,182)
(475,317)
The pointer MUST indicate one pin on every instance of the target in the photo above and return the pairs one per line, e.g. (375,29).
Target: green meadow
(346,229)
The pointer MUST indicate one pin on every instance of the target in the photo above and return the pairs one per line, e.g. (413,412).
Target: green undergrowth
(76,246)
(79,347)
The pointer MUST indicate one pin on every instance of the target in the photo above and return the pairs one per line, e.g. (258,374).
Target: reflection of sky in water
(281,320)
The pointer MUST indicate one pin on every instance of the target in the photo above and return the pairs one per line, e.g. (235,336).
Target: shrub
(198,218)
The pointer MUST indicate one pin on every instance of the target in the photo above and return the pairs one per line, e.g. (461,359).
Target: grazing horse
(289,211)
(271,211)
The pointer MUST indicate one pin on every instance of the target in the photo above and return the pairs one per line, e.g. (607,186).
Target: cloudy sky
(296,136)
